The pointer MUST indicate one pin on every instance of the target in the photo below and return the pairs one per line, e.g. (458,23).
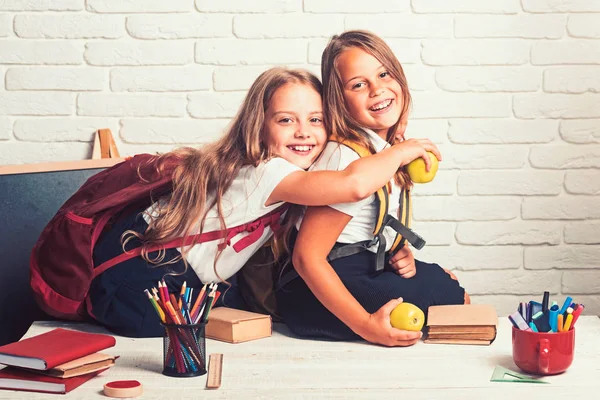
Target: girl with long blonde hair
(366,102)
(234,187)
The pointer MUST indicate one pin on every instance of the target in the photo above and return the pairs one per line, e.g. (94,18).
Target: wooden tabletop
(284,367)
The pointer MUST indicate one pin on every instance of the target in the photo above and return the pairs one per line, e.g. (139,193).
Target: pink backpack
(61,264)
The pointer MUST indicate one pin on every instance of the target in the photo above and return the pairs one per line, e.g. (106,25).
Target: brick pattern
(509,90)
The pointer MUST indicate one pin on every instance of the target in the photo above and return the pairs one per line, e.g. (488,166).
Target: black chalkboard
(27,202)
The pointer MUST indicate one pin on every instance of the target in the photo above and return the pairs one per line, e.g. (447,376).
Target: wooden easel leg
(104,145)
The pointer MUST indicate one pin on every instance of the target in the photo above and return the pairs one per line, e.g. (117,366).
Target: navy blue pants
(117,295)
(304,314)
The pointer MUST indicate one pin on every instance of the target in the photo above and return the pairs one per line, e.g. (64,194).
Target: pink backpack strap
(255,228)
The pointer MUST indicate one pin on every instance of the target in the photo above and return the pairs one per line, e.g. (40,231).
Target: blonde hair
(336,115)
(203,175)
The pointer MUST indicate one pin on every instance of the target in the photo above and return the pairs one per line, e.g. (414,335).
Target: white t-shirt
(364,213)
(244,202)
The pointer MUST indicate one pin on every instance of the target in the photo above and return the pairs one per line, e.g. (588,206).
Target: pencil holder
(184,350)
(543,353)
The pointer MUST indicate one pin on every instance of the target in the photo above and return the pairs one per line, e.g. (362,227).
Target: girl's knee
(467,299)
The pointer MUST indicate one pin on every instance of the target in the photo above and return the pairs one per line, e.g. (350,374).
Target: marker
(545,300)
(553,317)
(568,322)
(535,307)
(566,304)
(576,314)
(533,327)
(541,321)
(569,310)
(560,324)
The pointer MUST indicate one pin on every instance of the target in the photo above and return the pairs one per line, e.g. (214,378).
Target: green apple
(416,169)
(408,317)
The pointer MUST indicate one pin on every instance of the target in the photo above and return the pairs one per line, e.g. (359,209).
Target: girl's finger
(406,343)
(427,160)
(409,274)
(400,265)
(406,268)
(408,336)
(401,254)
(434,149)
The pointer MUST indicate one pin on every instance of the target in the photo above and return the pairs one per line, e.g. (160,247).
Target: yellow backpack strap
(381,194)
(404,216)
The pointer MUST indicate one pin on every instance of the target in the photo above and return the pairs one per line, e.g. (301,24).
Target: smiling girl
(243,179)
(366,102)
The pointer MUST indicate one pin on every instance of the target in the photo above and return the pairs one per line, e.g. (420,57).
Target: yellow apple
(416,169)
(408,317)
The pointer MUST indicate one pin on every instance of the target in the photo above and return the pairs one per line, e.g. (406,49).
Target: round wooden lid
(123,389)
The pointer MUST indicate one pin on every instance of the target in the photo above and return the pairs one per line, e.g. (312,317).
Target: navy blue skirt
(117,295)
(304,314)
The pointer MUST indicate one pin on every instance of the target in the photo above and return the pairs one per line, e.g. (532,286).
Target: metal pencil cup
(184,350)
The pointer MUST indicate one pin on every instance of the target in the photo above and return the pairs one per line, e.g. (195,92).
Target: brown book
(236,326)
(462,324)
(81,366)
(459,341)
(462,335)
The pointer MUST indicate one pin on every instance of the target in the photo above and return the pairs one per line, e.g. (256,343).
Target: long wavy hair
(336,115)
(203,175)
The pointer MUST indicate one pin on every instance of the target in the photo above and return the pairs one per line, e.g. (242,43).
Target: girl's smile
(372,95)
(382,106)
(294,124)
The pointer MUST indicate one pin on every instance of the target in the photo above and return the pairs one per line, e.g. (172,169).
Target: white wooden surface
(284,367)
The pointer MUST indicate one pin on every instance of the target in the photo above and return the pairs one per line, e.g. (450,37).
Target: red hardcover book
(53,348)
(19,379)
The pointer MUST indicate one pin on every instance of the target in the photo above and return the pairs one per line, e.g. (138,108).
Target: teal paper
(502,374)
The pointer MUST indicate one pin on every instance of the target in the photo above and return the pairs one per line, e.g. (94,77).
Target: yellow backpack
(401,225)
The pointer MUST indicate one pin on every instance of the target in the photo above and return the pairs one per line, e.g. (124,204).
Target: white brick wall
(509,90)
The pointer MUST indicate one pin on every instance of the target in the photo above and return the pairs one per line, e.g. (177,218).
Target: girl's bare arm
(359,180)
(320,229)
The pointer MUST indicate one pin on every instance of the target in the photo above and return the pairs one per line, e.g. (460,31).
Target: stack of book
(462,324)
(57,361)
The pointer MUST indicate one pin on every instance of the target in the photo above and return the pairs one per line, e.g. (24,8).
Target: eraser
(123,389)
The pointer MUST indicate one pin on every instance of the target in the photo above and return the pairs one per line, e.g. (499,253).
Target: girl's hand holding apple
(379,329)
(418,149)
(407,316)
(418,170)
